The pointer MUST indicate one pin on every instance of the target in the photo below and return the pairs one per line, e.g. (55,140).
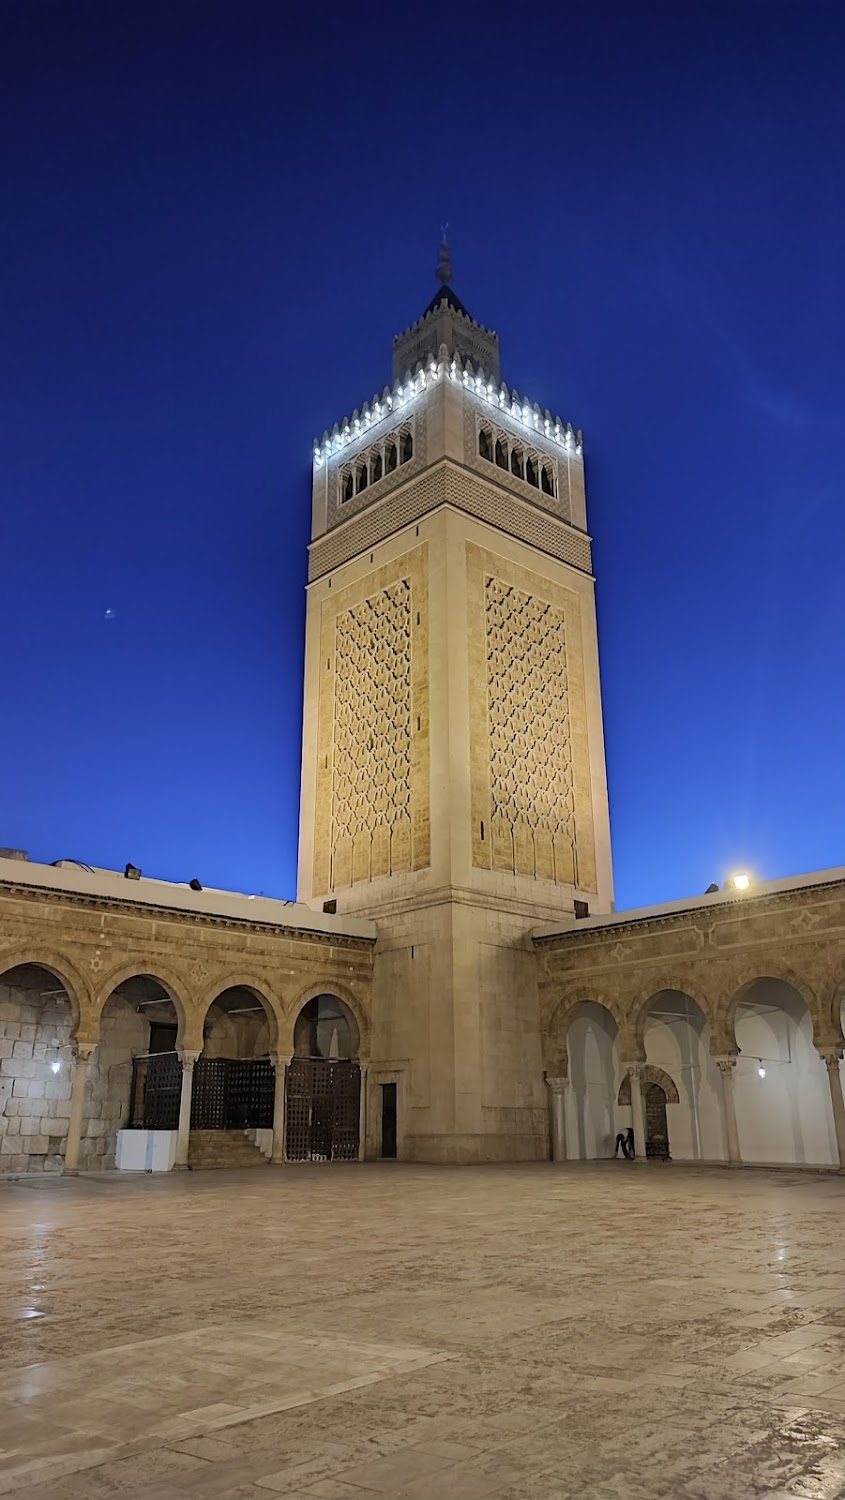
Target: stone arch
(562,1013)
(274,1009)
(730,1000)
(778,1028)
(350,1000)
(82,1007)
(174,984)
(648,993)
(650,1074)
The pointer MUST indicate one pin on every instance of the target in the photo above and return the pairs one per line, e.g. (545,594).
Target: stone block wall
(34,1100)
(124,1032)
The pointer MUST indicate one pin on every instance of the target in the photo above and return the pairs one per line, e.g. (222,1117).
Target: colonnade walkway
(570,1332)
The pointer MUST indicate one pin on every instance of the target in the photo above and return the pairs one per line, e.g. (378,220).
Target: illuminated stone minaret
(453,780)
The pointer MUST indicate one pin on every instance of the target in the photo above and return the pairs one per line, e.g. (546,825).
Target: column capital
(557,1085)
(281,1059)
(188,1058)
(634,1069)
(831,1056)
(726,1062)
(84,1051)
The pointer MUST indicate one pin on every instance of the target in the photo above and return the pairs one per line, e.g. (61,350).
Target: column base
(70,1171)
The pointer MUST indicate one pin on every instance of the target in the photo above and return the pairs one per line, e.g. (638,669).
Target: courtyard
(613,1331)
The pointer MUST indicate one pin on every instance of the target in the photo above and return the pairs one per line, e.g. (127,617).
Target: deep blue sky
(215,220)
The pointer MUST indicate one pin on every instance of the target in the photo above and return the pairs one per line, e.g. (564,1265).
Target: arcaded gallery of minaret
(452,984)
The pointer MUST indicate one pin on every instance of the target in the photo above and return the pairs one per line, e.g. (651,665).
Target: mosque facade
(452,983)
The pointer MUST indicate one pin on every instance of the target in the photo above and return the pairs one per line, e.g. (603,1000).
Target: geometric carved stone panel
(372,796)
(532,803)
(531,795)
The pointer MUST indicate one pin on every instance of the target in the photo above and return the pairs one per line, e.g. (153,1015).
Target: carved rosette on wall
(531,793)
(372,815)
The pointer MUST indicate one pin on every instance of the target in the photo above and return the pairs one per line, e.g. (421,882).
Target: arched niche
(781,1095)
(594,1069)
(239,1022)
(674,1031)
(139,1018)
(650,1074)
(326,1028)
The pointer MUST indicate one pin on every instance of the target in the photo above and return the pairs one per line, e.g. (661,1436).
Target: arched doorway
(37,1075)
(781,1095)
(323,1088)
(233,1088)
(592,1115)
(135,1076)
(675,1033)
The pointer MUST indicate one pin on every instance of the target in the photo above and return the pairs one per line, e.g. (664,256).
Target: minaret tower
(453,780)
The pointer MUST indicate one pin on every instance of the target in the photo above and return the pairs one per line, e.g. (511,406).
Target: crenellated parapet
(388,408)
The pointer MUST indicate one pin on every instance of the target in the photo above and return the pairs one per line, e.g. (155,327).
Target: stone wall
(34,1100)
(124,1033)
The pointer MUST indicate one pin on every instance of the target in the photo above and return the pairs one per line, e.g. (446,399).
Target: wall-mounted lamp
(56,1066)
(195,884)
(132,872)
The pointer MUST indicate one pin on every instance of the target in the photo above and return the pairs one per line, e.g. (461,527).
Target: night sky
(217,216)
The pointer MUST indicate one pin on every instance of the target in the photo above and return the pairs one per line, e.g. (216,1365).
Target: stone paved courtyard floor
(608,1332)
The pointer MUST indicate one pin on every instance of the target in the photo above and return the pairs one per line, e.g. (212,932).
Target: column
(280,1062)
(557,1092)
(362,1115)
(184,1134)
(635,1073)
(84,1052)
(831,1061)
(726,1066)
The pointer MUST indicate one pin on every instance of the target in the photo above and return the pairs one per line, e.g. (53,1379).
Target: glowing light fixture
(761,1070)
(56,1066)
(740,880)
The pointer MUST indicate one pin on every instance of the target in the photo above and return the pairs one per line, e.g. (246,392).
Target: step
(223,1148)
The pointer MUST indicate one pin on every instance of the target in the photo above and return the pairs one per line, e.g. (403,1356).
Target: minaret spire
(444,262)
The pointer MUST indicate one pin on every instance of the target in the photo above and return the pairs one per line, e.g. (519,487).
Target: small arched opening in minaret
(390,459)
(362,478)
(532,473)
(348,488)
(485,444)
(406,448)
(501,454)
(376,469)
(517,463)
(547,480)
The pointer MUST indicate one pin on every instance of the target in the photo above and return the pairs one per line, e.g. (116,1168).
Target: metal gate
(232,1093)
(323,1110)
(229,1093)
(156,1092)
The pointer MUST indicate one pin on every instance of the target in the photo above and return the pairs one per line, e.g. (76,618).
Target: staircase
(224,1148)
